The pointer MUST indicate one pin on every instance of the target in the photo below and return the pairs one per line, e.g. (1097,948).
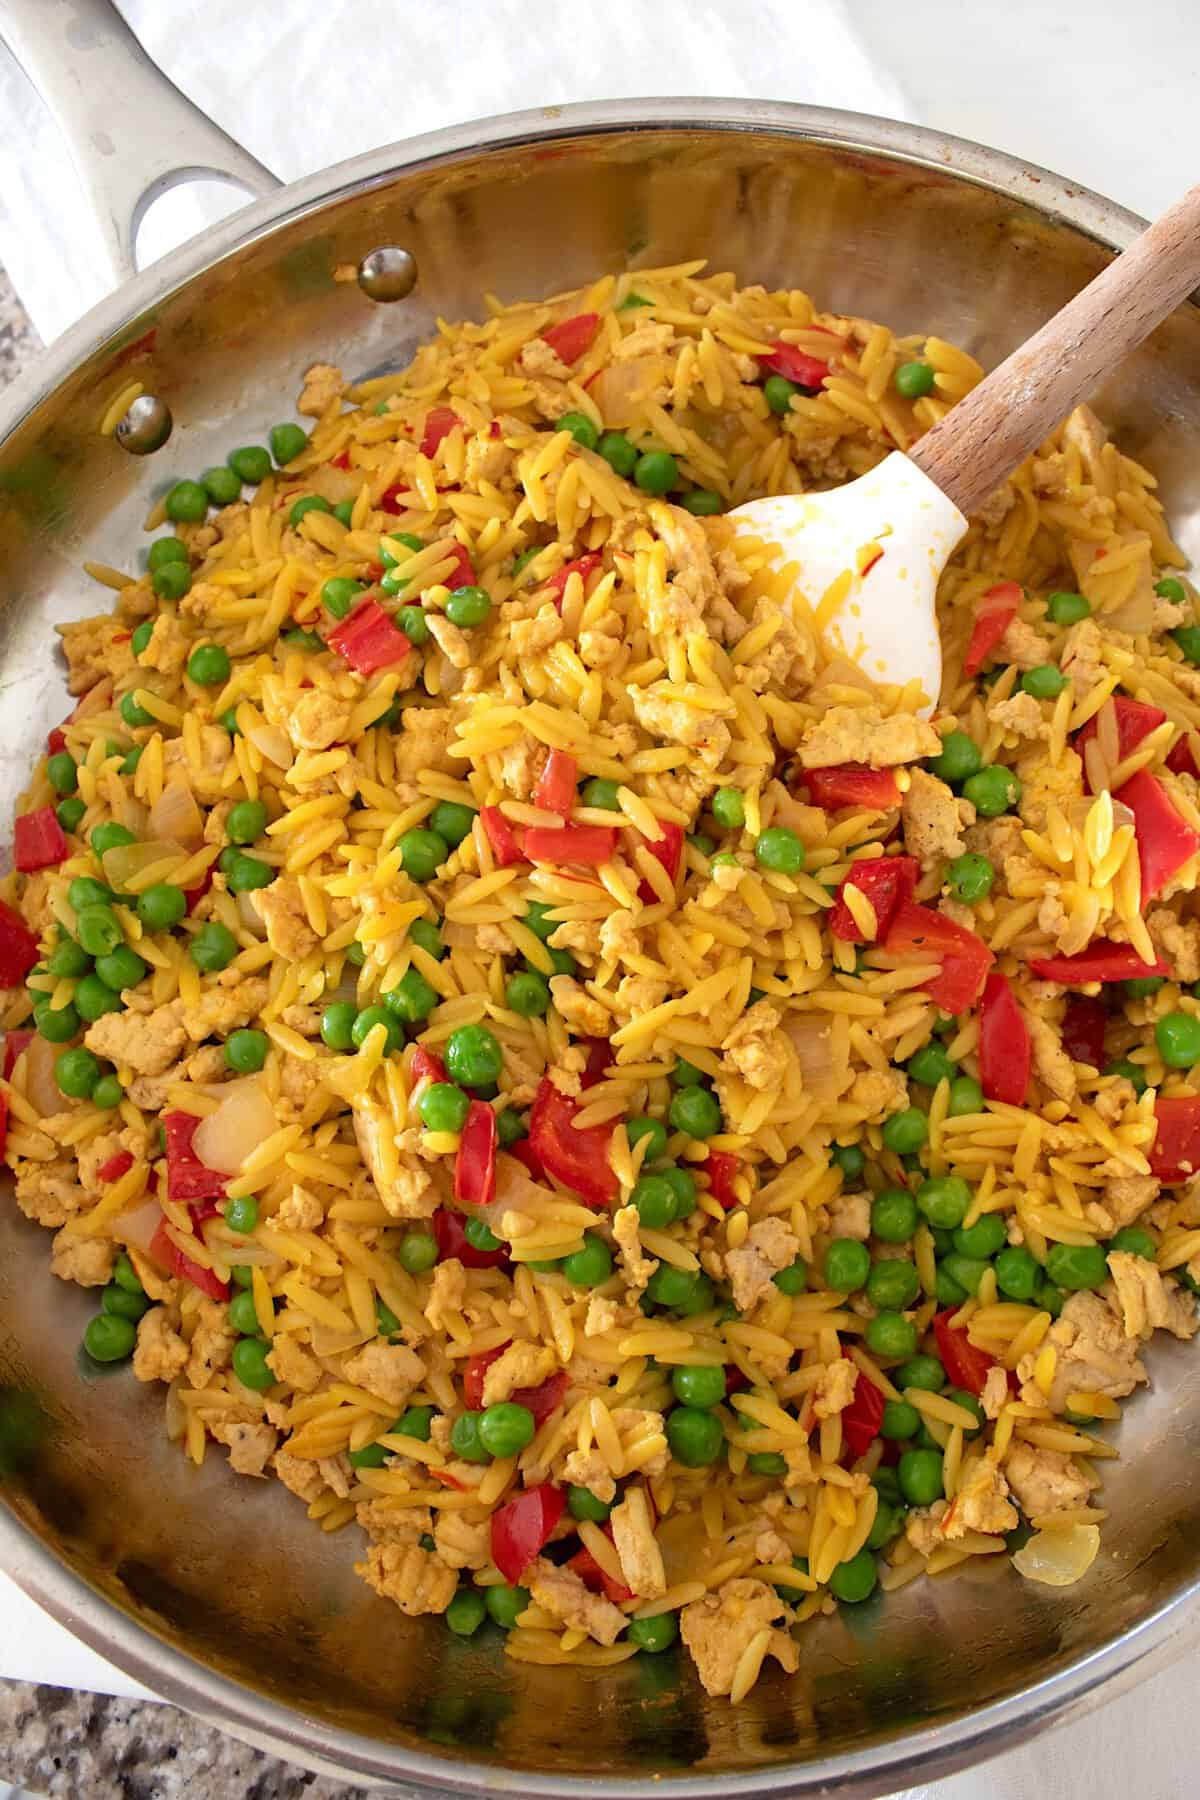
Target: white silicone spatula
(913,508)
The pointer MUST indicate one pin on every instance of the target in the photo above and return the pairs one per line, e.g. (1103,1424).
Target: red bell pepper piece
(571,337)
(528,1157)
(542,1399)
(115,1167)
(426,1066)
(581,566)
(852,784)
(721,1167)
(599,1058)
(1175,1153)
(164,1250)
(15,1043)
(597,1578)
(919,932)
(864,1415)
(994,613)
(1101,961)
(439,423)
(476,1368)
(1135,720)
(187,1177)
(18,947)
(1005,1050)
(668,850)
(1164,839)
(886,881)
(56,741)
(579,1159)
(523,1526)
(967,1366)
(589,845)
(1084,1023)
(193,895)
(808,372)
(1181,761)
(39,841)
(449,1480)
(450,1230)
(506,845)
(368,640)
(556,789)
(462,573)
(475,1163)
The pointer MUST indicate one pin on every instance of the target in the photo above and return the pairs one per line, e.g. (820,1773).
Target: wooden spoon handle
(989,433)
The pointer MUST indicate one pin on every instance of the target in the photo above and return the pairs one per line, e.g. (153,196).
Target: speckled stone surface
(87,1746)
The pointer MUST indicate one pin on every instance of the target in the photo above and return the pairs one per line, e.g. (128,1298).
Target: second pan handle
(130,132)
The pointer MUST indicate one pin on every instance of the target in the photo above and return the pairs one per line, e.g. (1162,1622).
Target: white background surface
(1109,97)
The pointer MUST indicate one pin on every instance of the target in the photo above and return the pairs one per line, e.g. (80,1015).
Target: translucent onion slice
(128,860)
(175,816)
(244,1118)
(1057,1558)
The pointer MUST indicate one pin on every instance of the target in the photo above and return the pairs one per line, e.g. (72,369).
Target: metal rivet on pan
(146,426)
(387,273)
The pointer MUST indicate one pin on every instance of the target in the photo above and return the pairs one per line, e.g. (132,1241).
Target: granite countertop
(87,1746)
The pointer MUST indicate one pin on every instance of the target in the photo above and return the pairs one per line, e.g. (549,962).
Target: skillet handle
(130,132)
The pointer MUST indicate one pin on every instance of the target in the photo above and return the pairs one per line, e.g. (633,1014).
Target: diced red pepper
(1005,1049)
(1101,961)
(368,640)
(994,613)
(1181,761)
(18,947)
(395,498)
(426,1066)
(15,1043)
(852,784)
(164,1250)
(475,1163)
(1135,720)
(579,1159)
(599,1058)
(200,1210)
(864,1415)
(596,1578)
(1165,840)
(1084,1023)
(919,932)
(581,566)
(668,850)
(462,572)
(56,741)
(341,460)
(506,845)
(1175,1153)
(450,1230)
(449,1480)
(555,792)
(522,1527)
(115,1167)
(187,1177)
(721,1167)
(588,845)
(571,337)
(967,1366)
(806,371)
(886,881)
(543,1399)
(439,423)
(476,1368)
(525,1154)
(39,841)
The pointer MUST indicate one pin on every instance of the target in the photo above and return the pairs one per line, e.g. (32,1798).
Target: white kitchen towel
(304,85)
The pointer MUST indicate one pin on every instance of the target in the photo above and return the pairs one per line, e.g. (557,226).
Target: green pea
(505,1604)
(109,1338)
(655,1133)
(246,822)
(58,1025)
(966,1097)
(366,1021)
(412,999)
(510,1128)
(984,1238)
(1017,1273)
(906,1131)
(131,760)
(222,485)
(467,1611)
(422,853)
(242,1273)
(140,641)
(228,722)
(654,1199)
(307,503)
(931,1065)
(847,1265)
(465,1440)
(250,1363)
(780,850)
(1051,1299)
(506,1429)
(697,1385)
(920,1474)
(993,791)
(1188,639)
(967,1271)
(1178,1038)
(591,1266)
(1170,589)
(890,1334)
(913,379)
(653,1635)
(249,872)
(480,1235)
(93,998)
(674,1288)
(163,551)
(302,640)
(251,463)
(68,958)
(686,1074)
(766,1462)
(246,1051)
(62,773)
(850,1159)
(126,1276)
(213,948)
(70,812)
(243,1315)
(583,1504)
(122,968)
(894,1216)
(1045,682)
(581,429)
(186,503)
(1133,1240)
(355,954)
(473,1056)
(695,1437)
(468,606)
(970,1404)
(777,392)
(893,1284)
(337,1024)
(452,821)
(1067,609)
(407,540)
(695,1111)
(415,1422)
(924,1372)
(133,714)
(443,1107)
(970,877)
(528,995)
(241,1215)
(1076,1267)
(886,1525)
(618,453)
(854,1581)
(286,441)
(682,1184)
(107,1093)
(1143,986)
(702,503)
(427,937)
(899,1421)
(886,1483)
(943,1200)
(208,665)
(417,1252)
(387,1323)
(958,760)
(656,472)
(98,930)
(794,1279)
(729,808)
(371,1456)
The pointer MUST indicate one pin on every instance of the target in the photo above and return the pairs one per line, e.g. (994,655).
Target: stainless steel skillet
(216,1592)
